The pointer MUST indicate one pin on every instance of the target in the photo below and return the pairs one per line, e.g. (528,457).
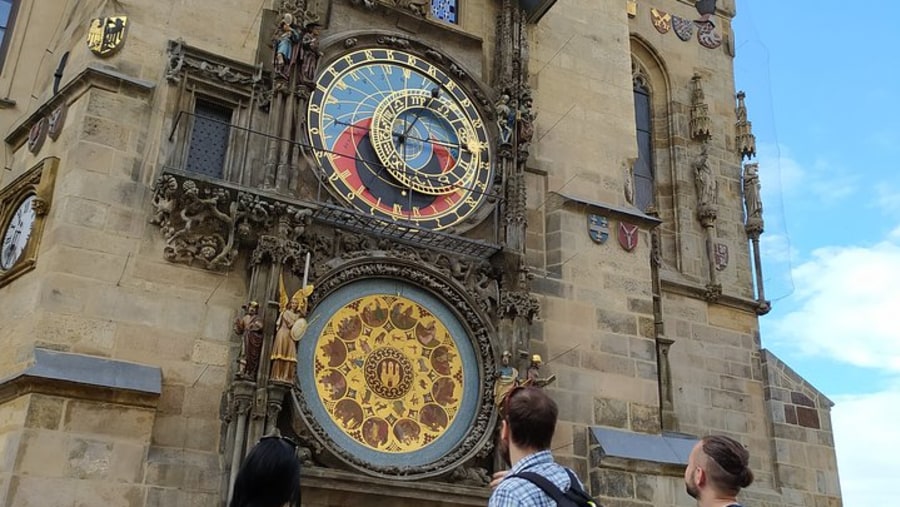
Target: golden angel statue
(289,329)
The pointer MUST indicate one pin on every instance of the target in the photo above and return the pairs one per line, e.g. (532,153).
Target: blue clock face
(396,137)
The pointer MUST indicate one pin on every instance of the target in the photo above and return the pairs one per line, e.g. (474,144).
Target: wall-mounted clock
(24,205)
(16,233)
(398,138)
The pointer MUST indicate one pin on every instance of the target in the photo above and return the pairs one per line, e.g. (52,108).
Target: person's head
(504,358)
(269,476)
(717,467)
(529,420)
(253,308)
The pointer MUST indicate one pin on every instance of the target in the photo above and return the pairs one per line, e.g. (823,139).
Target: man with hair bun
(717,470)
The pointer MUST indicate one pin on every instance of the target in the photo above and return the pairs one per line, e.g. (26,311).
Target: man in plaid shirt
(529,420)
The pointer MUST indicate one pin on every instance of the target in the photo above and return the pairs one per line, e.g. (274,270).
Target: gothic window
(643,168)
(445,10)
(209,138)
(8,10)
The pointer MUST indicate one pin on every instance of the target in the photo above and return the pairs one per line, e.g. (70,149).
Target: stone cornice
(697,291)
(85,377)
(327,478)
(629,214)
(92,76)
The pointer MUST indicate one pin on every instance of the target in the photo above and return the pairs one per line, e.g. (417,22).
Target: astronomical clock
(400,139)
(395,372)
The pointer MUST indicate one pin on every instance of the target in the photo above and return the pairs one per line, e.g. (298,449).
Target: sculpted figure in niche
(533,375)
(286,37)
(250,327)
(704,179)
(752,199)
(506,117)
(290,327)
(507,378)
(309,52)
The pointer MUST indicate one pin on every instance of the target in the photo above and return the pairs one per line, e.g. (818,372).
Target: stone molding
(92,76)
(704,292)
(101,379)
(329,478)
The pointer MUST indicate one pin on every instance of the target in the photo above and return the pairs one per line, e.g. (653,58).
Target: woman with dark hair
(269,476)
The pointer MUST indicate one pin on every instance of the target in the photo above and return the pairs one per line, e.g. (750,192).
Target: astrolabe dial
(425,141)
(398,138)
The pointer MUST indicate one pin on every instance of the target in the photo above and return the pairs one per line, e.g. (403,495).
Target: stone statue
(289,329)
(286,37)
(507,378)
(506,118)
(309,53)
(704,180)
(525,123)
(533,375)
(752,199)
(250,327)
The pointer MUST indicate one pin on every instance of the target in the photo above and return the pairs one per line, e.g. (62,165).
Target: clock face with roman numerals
(16,234)
(398,138)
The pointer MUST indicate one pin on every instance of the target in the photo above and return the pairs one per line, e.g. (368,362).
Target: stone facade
(658,339)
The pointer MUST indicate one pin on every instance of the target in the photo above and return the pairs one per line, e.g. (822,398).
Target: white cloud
(783,176)
(847,298)
(888,198)
(867,446)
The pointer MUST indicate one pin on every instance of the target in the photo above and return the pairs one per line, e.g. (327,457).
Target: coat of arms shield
(721,256)
(628,236)
(106,35)
(684,28)
(598,228)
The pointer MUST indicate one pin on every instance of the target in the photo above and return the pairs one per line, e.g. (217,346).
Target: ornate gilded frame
(39,182)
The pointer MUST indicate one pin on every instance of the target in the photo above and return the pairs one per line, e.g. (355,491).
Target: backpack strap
(542,482)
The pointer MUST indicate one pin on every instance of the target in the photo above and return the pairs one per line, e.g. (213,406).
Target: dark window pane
(5,9)
(444,10)
(643,167)
(209,139)
(642,111)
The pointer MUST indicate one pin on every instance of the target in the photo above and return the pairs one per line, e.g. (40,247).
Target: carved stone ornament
(744,138)
(476,276)
(720,250)
(700,123)
(185,59)
(418,8)
(480,333)
(203,224)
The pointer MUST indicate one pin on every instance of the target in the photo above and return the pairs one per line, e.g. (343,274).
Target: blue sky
(821,86)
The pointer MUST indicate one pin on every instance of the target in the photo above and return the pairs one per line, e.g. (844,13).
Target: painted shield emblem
(36,135)
(106,35)
(707,35)
(598,228)
(684,28)
(55,121)
(661,20)
(721,256)
(628,236)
